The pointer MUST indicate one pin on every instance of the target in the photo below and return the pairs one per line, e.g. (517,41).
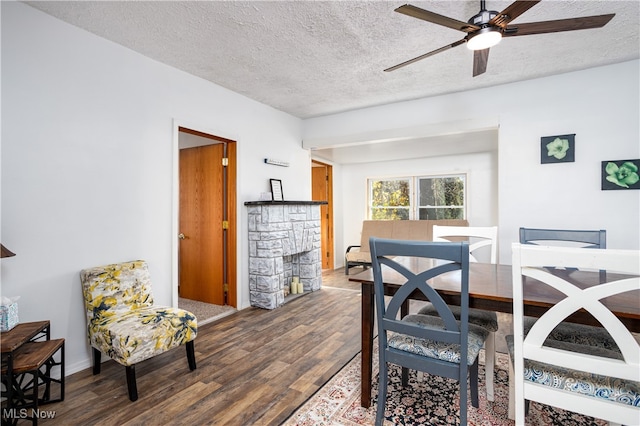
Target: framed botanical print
(620,174)
(558,149)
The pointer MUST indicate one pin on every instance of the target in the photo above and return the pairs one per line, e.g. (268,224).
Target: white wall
(482,188)
(600,105)
(88,172)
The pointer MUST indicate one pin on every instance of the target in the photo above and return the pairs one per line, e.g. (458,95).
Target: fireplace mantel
(284,241)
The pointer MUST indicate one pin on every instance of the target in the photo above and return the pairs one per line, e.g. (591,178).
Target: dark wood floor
(255,367)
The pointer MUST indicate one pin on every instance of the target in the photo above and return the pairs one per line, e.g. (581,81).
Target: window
(441,197)
(435,197)
(390,199)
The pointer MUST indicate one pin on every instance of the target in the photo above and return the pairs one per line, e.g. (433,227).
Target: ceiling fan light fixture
(484,39)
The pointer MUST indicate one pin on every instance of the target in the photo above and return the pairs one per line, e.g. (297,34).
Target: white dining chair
(591,380)
(479,237)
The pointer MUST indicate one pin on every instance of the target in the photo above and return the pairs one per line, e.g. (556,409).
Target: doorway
(322,190)
(207,244)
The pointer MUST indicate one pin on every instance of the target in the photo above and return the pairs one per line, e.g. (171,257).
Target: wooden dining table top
(491,288)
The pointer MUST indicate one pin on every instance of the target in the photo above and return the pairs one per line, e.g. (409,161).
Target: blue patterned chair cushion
(439,350)
(616,390)
(578,333)
(122,321)
(485,319)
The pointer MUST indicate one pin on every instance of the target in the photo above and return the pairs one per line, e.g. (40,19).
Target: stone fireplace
(284,241)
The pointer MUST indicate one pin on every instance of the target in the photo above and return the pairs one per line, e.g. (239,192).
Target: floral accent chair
(124,324)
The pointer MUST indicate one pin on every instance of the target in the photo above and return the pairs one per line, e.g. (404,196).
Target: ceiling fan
(487,28)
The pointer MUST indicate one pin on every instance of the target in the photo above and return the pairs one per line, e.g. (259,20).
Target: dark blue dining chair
(439,345)
(578,238)
(592,239)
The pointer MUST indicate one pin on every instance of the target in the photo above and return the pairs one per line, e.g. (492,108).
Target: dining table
(490,288)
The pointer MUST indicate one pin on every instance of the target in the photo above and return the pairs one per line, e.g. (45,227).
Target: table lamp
(5,252)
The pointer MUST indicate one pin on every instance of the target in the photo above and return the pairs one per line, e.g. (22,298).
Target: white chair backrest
(622,276)
(481,236)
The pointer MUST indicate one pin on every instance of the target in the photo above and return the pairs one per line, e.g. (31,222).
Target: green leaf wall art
(620,174)
(558,149)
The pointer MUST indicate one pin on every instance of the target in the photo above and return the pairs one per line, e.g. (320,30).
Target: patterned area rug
(432,401)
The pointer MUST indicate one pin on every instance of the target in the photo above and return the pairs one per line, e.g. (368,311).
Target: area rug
(431,401)
(205,312)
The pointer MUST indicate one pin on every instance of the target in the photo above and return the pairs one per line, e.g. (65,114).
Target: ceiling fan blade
(480,59)
(425,15)
(512,11)
(559,25)
(426,55)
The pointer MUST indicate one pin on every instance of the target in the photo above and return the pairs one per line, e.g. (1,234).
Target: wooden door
(201,254)
(321,190)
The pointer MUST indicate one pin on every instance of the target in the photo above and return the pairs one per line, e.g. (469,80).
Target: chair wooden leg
(463,382)
(382,392)
(405,377)
(191,355)
(489,363)
(473,377)
(512,393)
(512,396)
(96,361)
(131,382)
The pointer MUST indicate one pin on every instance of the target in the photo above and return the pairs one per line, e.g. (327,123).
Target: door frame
(330,232)
(232,236)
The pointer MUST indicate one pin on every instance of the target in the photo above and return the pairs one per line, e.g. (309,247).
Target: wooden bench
(419,230)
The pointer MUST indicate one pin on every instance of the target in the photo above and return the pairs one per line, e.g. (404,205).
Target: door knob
(181,236)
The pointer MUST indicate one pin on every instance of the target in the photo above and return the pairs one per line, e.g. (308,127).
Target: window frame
(463,207)
(414,207)
(370,182)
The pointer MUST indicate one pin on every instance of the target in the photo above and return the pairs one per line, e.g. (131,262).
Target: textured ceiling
(313,58)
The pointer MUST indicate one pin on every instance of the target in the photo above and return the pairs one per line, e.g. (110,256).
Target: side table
(27,349)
